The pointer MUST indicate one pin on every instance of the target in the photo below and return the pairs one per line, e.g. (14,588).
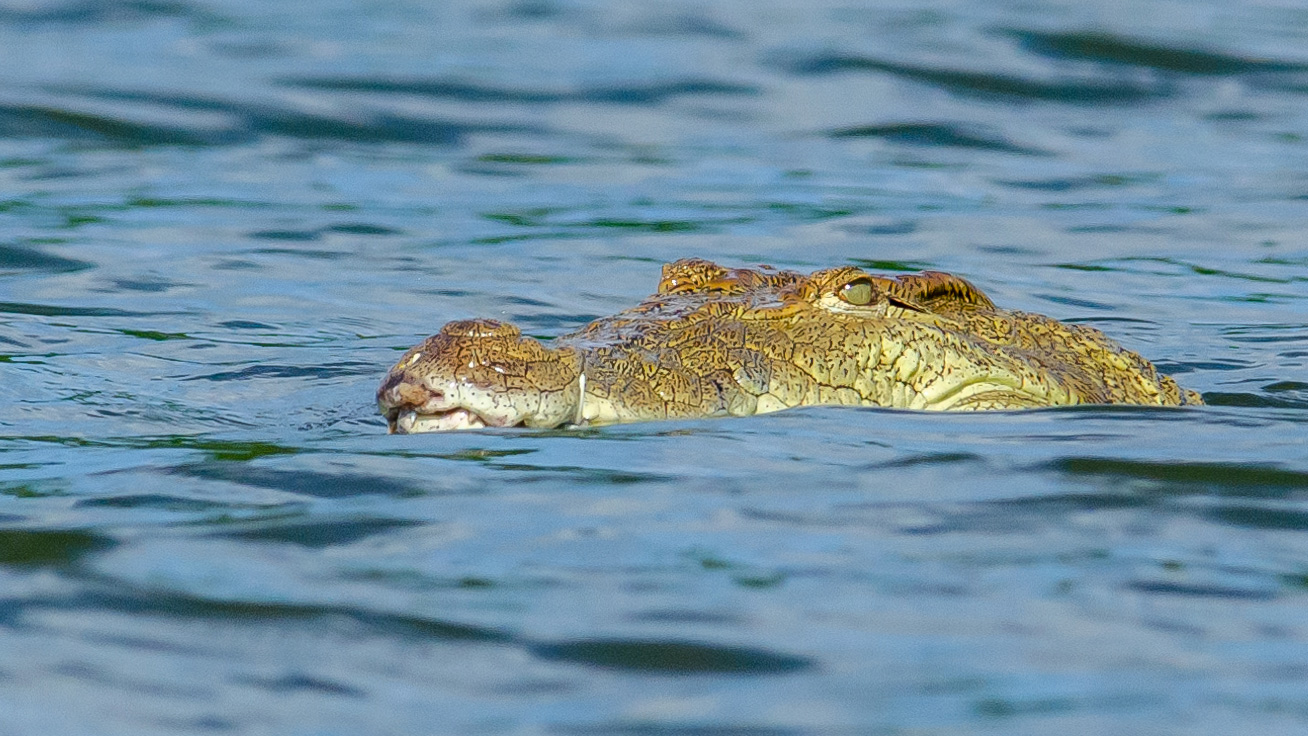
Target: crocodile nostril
(402,393)
(391,381)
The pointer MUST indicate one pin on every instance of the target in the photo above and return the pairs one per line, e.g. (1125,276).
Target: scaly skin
(717,342)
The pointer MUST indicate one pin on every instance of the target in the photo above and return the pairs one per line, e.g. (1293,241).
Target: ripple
(1008,516)
(1074,184)
(584,475)
(672,657)
(20,258)
(1195,590)
(303,482)
(933,134)
(647,728)
(628,94)
(42,547)
(298,682)
(147,285)
(958,81)
(316,533)
(49,310)
(237,123)
(887,265)
(650,226)
(1252,400)
(95,12)
(154,501)
(1235,479)
(361,228)
(298,236)
(1007,708)
(177,605)
(346,368)
(37,121)
(1106,48)
(1260,517)
(241,324)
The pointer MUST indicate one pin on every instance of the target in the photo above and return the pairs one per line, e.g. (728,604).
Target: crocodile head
(716,341)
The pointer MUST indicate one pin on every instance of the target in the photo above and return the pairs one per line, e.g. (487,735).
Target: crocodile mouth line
(410,421)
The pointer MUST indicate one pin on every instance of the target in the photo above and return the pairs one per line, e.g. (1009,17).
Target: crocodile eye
(857,292)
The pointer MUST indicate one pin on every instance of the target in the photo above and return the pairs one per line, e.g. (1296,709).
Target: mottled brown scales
(942,293)
(716,341)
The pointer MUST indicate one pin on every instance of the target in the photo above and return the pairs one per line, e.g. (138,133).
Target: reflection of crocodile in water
(722,342)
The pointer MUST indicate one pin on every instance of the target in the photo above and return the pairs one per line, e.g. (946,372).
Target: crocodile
(717,341)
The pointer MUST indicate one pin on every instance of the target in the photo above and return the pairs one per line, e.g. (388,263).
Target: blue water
(220,222)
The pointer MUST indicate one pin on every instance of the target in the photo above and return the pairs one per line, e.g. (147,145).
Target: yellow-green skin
(733,342)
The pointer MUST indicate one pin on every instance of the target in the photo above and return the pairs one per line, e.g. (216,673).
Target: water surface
(221,221)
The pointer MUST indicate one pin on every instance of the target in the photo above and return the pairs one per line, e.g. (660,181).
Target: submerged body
(733,342)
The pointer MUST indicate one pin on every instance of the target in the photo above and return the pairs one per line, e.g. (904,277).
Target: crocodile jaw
(411,422)
(414,403)
(411,406)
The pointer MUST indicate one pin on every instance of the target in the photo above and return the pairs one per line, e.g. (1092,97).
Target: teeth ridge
(413,422)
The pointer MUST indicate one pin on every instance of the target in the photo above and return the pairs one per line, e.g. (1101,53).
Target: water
(220,222)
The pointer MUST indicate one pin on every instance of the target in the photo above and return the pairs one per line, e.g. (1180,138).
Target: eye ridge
(858,292)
